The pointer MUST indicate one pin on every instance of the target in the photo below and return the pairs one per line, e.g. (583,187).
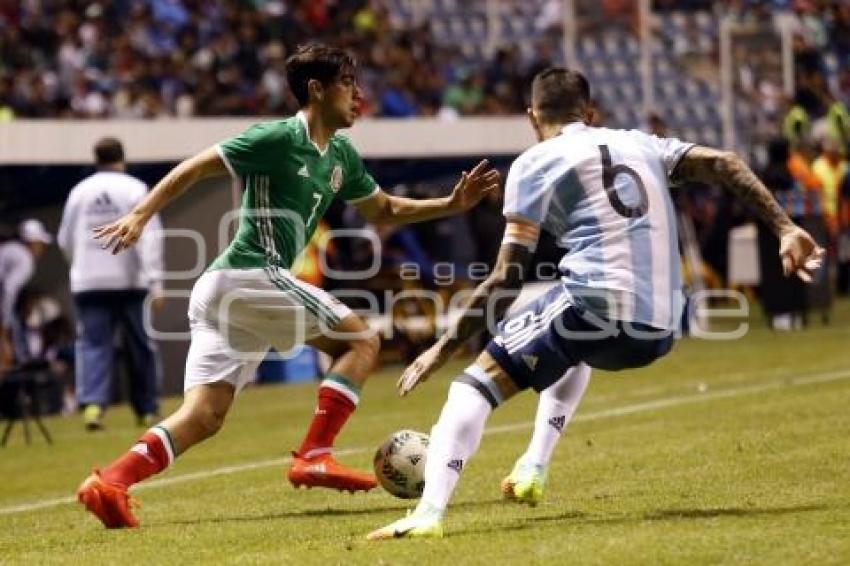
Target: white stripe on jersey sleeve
(226,162)
(529,185)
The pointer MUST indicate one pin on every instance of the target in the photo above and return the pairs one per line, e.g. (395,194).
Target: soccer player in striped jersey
(290,170)
(604,195)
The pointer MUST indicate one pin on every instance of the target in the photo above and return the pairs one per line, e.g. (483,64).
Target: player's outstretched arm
(489,302)
(799,253)
(125,231)
(470,189)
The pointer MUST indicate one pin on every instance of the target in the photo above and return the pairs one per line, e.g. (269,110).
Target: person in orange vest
(830,168)
(809,201)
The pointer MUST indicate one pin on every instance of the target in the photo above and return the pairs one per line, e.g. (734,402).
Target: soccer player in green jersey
(290,171)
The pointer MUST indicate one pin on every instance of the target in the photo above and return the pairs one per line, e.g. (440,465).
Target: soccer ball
(400,463)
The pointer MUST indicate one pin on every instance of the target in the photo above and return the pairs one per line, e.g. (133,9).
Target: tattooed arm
(489,301)
(799,252)
(726,169)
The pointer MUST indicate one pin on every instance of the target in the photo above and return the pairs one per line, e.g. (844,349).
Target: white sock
(454,439)
(557,404)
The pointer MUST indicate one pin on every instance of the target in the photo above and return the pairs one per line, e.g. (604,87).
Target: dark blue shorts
(543,340)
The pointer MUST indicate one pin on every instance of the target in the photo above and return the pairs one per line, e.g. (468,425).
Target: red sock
(332,411)
(150,455)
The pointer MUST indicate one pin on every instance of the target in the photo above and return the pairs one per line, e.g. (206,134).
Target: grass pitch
(724,452)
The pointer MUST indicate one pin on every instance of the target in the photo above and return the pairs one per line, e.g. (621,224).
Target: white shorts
(236,315)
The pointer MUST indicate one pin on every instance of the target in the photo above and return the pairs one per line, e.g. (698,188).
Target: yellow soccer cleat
(412,526)
(93,418)
(525,483)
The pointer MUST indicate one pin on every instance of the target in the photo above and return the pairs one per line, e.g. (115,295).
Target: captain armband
(521,234)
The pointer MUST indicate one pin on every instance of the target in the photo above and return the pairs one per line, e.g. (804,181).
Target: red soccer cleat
(324,471)
(108,502)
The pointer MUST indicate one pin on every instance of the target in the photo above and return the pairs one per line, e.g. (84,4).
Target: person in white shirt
(17,265)
(110,290)
(603,194)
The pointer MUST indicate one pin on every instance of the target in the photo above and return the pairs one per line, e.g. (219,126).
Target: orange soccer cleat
(108,502)
(324,471)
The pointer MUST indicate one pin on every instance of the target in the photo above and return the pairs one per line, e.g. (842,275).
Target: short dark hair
(108,151)
(316,61)
(559,94)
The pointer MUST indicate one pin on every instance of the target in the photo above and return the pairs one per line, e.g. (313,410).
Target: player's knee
(368,348)
(209,420)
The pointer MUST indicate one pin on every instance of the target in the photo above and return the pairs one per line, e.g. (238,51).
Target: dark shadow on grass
(579,518)
(329,512)
(675,514)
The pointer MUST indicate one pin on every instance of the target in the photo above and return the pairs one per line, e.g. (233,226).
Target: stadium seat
(611,44)
(712,137)
(588,47)
(705,22)
(620,68)
(691,88)
(699,112)
(478,27)
(631,91)
(663,67)
(439,28)
(599,70)
(509,26)
(458,29)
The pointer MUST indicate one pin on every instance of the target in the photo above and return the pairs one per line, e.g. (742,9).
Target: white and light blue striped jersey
(604,194)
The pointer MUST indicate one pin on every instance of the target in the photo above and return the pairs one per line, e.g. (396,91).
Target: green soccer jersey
(288,184)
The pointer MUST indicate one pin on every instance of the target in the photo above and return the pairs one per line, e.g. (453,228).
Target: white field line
(692,398)
(648,406)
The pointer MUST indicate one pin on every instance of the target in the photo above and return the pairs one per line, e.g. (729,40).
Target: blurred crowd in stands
(154,58)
